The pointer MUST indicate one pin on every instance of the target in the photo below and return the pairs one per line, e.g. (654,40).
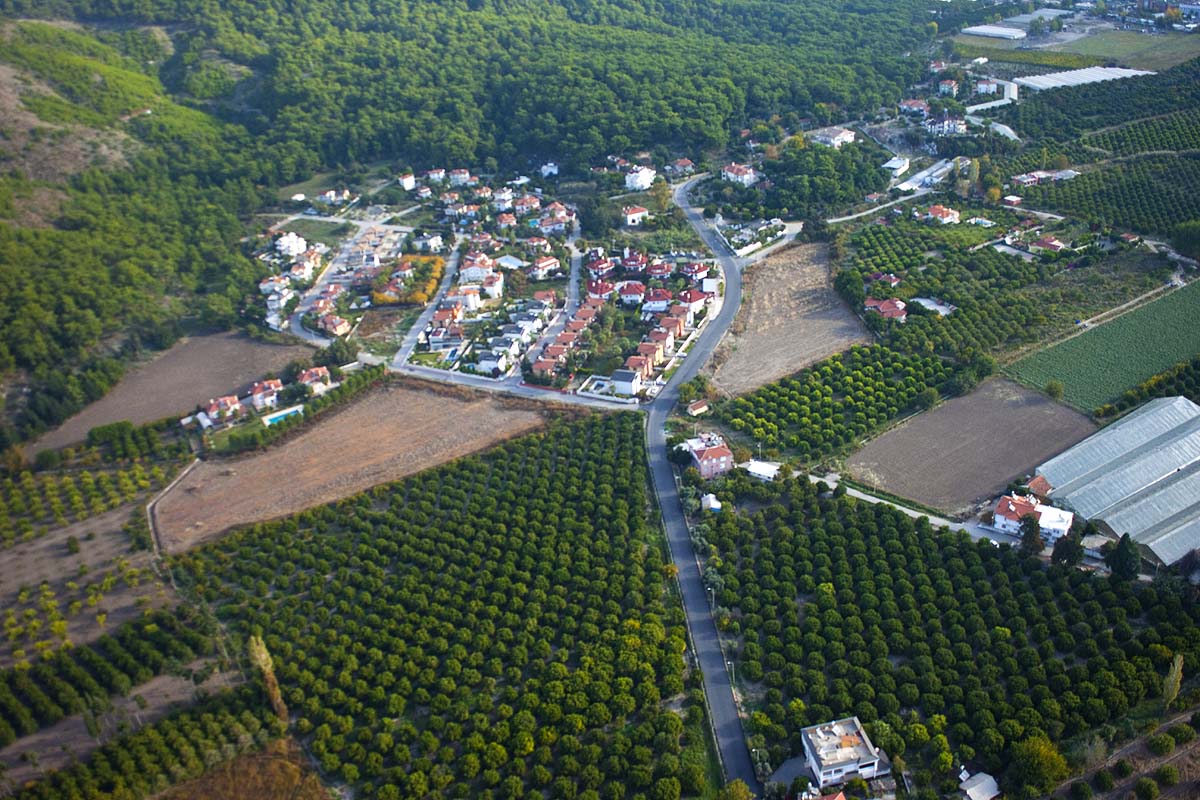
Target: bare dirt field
(390,433)
(969,448)
(192,371)
(791,317)
(103,551)
(277,772)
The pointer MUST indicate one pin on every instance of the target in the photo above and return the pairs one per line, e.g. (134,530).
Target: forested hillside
(463,82)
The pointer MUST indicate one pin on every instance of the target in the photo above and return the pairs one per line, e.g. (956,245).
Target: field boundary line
(151,515)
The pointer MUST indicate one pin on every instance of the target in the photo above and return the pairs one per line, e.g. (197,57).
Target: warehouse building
(1140,476)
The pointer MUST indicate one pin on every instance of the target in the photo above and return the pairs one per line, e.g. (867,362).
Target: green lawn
(315,230)
(1099,365)
(1138,50)
(320,182)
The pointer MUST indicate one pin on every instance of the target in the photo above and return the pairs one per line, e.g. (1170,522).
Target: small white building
(634,215)
(832,137)
(980,786)
(627,382)
(549,169)
(841,750)
(898,165)
(709,502)
(765,471)
(407,181)
(639,179)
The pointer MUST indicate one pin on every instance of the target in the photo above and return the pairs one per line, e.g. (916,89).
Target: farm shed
(1139,476)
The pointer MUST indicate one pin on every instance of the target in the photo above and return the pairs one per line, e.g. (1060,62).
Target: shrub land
(1098,365)
(501,624)
(948,649)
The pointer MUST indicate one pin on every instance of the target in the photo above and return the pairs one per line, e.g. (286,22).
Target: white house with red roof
(632,292)
(265,394)
(315,378)
(942,215)
(739,173)
(505,221)
(710,455)
(437,174)
(601,290)
(407,181)
(462,177)
(656,300)
(919,107)
(543,267)
(1011,509)
(634,215)
(693,299)
(526,204)
(695,270)
(891,308)
(600,268)
(1047,244)
(493,285)
(223,407)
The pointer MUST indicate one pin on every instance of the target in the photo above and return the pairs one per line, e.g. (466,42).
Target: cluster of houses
(297,263)
(262,397)
(456,331)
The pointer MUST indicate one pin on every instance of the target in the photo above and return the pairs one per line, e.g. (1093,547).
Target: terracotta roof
(1040,486)
(1014,508)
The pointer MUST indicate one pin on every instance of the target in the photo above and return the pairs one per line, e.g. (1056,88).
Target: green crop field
(1138,50)
(1102,363)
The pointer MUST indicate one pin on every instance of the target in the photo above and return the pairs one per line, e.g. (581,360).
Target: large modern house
(841,750)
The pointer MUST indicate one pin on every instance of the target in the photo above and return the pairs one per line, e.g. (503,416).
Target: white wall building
(290,245)
(841,750)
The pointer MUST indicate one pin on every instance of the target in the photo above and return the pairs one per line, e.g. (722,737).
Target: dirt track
(390,433)
(969,448)
(192,371)
(791,318)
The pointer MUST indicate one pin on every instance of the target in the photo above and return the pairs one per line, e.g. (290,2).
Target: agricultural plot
(791,317)
(195,370)
(1098,365)
(383,436)
(947,649)
(1157,51)
(510,627)
(969,448)
(1152,194)
(1183,379)
(826,408)
(1177,131)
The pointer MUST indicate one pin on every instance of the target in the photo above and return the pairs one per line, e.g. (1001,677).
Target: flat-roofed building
(839,751)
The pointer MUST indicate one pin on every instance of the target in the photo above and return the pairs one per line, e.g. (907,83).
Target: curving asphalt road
(731,738)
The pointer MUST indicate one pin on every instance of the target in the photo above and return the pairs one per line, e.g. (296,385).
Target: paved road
(731,738)
(410,338)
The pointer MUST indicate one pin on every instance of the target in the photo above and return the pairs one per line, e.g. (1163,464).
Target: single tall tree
(1172,681)
(1068,550)
(1031,535)
(1123,558)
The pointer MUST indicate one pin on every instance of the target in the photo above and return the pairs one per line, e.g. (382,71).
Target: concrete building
(639,179)
(1011,509)
(627,382)
(1139,476)
(897,165)
(841,750)
(832,137)
(710,455)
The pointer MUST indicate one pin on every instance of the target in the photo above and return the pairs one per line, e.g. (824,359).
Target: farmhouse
(315,378)
(223,407)
(919,107)
(948,87)
(1139,476)
(892,308)
(841,750)
(1011,509)
(697,408)
(942,215)
(265,394)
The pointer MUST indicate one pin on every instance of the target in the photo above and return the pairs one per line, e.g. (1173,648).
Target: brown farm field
(791,318)
(391,432)
(277,772)
(192,371)
(969,448)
